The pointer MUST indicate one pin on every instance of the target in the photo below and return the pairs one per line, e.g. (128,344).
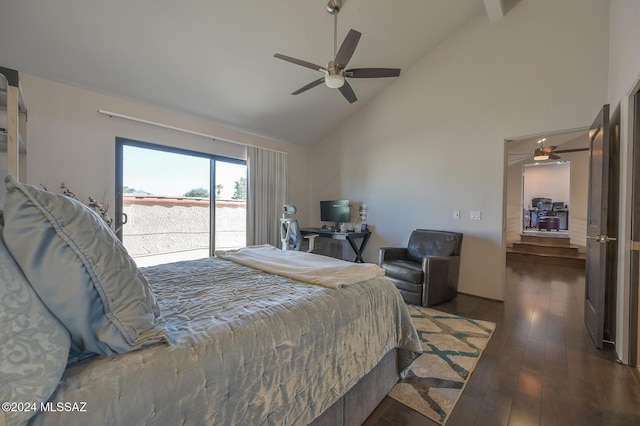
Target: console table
(351,237)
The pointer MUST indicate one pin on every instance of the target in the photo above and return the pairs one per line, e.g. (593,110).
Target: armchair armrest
(440,278)
(391,253)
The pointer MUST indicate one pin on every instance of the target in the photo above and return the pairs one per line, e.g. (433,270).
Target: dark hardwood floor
(540,367)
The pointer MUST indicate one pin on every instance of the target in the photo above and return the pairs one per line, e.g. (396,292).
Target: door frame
(634,260)
(627,342)
(628,349)
(507,141)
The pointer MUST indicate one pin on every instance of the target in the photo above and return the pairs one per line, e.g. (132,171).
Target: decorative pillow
(81,272)
(33,345)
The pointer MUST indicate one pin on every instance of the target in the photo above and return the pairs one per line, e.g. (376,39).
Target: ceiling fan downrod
(333,7)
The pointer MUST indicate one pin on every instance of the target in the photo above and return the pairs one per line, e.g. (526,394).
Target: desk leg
(358,250)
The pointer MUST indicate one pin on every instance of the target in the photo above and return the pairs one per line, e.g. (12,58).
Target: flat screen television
(335,211)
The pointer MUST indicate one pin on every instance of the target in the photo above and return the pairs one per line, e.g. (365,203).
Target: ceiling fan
(549,152)
(334,72)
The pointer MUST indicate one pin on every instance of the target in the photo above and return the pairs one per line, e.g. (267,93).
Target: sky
(170,174)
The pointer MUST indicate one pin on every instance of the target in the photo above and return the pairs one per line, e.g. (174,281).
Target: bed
(228,344)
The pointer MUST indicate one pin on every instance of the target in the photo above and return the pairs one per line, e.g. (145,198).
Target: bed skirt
(353,408)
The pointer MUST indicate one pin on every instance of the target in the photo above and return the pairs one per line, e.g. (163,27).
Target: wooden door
(597,218)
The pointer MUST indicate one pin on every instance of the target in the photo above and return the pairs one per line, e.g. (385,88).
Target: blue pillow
(33,345)
(81,271)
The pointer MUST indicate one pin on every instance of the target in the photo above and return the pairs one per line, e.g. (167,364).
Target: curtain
(266,195)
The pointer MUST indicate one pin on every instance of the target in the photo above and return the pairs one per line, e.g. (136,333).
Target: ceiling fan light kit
(334,81)
(538,155)
(335,73)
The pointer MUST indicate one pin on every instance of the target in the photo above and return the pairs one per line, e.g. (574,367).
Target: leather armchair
(426,271)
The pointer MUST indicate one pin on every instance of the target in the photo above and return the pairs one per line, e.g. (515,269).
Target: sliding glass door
(230,215)
(164,210)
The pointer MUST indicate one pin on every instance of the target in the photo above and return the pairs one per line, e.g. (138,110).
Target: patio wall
(166,225)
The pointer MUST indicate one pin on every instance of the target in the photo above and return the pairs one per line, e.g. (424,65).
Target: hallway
(540,367)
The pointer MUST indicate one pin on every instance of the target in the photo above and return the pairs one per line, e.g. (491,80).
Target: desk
(535,214)
(351,237)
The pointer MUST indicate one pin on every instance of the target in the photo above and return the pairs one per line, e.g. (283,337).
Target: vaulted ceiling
(215,58)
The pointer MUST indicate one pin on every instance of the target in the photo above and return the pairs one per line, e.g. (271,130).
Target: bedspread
(248,348)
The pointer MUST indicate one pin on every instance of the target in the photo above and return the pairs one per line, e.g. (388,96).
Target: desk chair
(290,235)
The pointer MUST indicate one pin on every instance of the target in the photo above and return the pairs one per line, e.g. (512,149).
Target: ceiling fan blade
(348,93)
(300,62)
(309,86)
(548,149)
(346,49)
(571,150)
(553,156)
(372,72)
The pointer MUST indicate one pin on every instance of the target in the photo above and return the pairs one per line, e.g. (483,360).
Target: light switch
(456,214)
(476,215)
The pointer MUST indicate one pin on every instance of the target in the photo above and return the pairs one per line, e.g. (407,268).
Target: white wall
(433,141)
(624,74)
(547,180)
(69,141)
(624,65)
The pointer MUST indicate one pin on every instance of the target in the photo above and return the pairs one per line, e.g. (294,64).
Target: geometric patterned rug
(451,346)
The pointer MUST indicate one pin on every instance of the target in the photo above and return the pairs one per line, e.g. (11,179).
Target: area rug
(451,346)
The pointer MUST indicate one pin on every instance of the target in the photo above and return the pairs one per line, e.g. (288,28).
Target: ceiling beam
(495,9)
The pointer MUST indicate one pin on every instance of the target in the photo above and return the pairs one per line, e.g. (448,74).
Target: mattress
(248,348)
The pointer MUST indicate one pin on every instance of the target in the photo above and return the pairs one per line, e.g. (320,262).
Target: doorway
(561,179)
(546,193)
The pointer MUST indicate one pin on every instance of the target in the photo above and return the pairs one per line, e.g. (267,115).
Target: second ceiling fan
(334,73)
(549,152)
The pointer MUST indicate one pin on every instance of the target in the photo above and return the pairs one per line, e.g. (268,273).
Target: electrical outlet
(475,215)
(456,214)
